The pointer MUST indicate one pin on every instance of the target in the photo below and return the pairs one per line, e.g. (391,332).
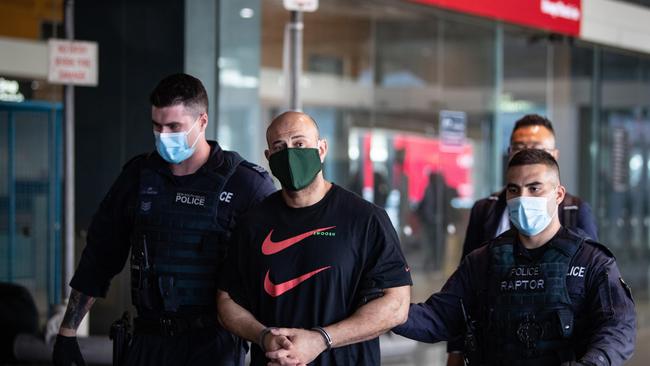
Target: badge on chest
(193,201)
(190,199)
(523,279)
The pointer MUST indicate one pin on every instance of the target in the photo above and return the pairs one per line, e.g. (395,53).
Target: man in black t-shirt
(314,267)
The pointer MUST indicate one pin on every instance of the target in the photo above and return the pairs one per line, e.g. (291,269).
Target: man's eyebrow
(512,185)
(165,124)
(292,138)
(533,184)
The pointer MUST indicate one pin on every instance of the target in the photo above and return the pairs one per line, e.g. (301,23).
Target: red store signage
(560,16)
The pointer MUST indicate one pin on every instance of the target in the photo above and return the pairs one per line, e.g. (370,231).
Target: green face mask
(295,168)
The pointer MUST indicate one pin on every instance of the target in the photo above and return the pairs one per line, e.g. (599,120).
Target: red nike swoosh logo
(271,247)
(277,290)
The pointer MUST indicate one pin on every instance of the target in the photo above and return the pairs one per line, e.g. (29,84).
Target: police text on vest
(523,278)
(190,199)
(576,271)
(225,196)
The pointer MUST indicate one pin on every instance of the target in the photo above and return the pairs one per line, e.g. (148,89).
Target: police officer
(174,210)
(489,216)
(539,294)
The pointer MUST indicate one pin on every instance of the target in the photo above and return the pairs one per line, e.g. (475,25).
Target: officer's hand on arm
(66,348)
(372,319)
(440,318)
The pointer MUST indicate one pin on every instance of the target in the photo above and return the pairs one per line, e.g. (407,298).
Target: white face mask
(173,146)
(530,214)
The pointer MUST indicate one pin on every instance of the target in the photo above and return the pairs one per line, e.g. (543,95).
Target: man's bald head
(294,129)
(288,121)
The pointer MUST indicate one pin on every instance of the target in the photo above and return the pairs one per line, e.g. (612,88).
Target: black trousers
(214,347)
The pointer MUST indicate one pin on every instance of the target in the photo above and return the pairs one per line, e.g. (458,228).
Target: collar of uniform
(558,242)
(216,158)
(529,255)
(564,242)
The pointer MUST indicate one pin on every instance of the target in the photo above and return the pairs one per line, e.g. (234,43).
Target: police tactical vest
(528,316)
(178,242)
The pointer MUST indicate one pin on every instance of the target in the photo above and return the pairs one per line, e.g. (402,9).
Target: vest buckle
(167,326)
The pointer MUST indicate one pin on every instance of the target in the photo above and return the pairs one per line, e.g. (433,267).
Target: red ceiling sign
(560,16)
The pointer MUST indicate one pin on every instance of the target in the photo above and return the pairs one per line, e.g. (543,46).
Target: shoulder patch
(628,290)
(600,246)
(255,167)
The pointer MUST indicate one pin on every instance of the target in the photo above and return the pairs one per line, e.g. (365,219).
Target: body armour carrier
(179,240)
(528,318)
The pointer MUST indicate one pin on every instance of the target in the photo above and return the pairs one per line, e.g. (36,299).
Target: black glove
(66,352)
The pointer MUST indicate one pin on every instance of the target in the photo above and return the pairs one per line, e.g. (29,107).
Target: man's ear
(203,121)
(267,153)
(322,149)
(559,196)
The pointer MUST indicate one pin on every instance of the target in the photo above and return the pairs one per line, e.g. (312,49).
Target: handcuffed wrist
(67,332)
(263,334)
(326,337)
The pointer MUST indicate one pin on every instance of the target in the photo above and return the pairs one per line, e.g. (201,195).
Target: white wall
(23,58)
(617,24)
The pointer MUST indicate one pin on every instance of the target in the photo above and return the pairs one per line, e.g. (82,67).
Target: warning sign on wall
(301,5)
(453,129)
(72,62)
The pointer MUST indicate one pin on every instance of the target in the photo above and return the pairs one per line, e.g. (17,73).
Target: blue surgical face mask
(173,146)
(530,214)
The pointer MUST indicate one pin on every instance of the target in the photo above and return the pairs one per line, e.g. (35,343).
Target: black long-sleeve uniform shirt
(605,328)
(108,240)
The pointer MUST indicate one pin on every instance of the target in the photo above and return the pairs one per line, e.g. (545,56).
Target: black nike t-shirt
(307,267)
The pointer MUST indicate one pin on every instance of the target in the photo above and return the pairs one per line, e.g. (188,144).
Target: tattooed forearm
(78,306)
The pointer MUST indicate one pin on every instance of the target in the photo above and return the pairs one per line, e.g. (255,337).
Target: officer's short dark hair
(180,89)
(532,120)
(534,156)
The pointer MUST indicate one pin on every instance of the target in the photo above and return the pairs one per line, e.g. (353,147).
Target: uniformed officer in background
(539,294)
(174,209)
(489,216)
